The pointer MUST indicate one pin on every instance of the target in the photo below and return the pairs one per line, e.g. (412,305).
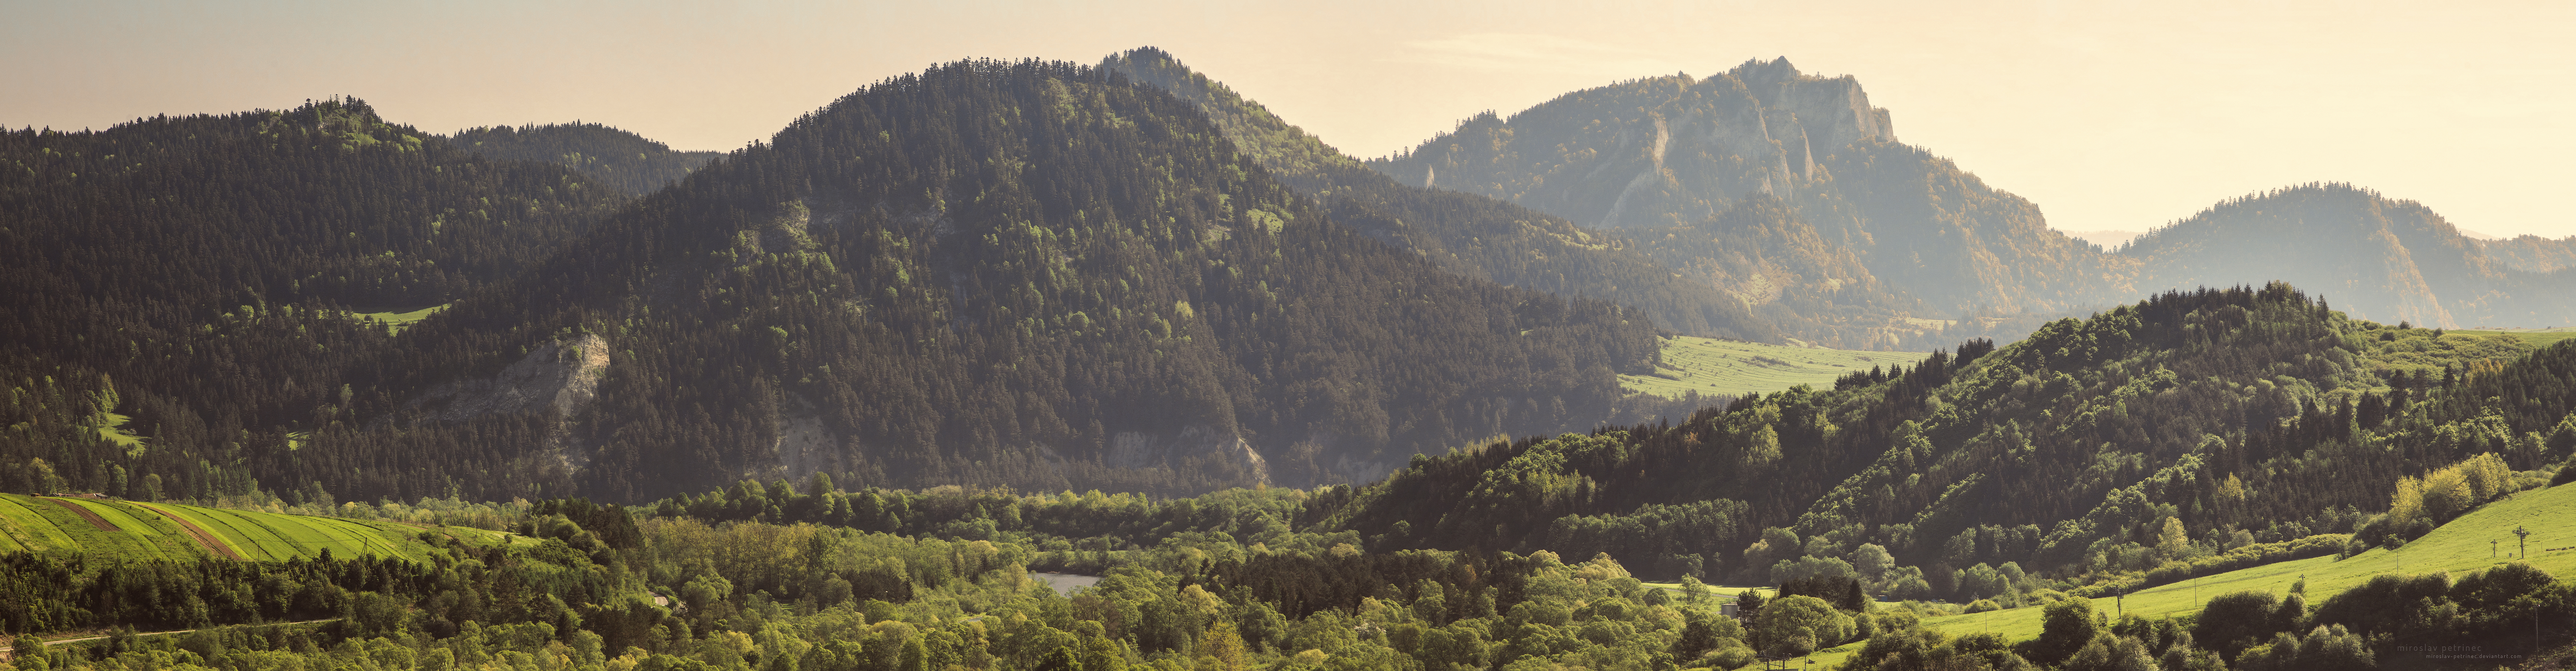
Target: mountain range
(1648,155)
(1041,276)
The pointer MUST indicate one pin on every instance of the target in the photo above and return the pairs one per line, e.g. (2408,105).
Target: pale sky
(2110,115)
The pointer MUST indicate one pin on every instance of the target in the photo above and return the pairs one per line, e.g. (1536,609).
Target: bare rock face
(1663,153)
(1136,449)
(558,378)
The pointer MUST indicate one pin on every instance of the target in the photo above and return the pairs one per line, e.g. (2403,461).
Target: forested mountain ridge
(188,281)
(1663,152)
(1656,156)
(2182,426)
(1026,274)
(2382,258)
(1466,233)
(608,155)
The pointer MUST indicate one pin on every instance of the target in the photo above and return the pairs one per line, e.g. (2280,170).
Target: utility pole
(2491,549)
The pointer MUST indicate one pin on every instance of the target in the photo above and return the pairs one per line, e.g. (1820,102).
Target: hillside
(1728,368)
(2532,253)
(177,532)
(839,299)
(193,279)
(2095,448)
(609,156)
(2458,547)
(1761,253)
(1465,233)
(2380,258)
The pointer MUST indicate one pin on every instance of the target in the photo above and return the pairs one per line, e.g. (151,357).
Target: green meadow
(1710,366)
(156,530)
(401,320)
(2458,547)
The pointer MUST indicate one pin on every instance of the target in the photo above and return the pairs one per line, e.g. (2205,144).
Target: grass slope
(2457,547)
(401,320)
(2536,337)
(1710,366)
(154,530)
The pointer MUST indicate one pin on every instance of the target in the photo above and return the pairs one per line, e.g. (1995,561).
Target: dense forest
(1025,274)
(998,274)
(182,292)
(1466,233)
(609,156)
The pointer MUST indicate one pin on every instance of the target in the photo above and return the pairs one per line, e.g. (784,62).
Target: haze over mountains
(1043,276)
(1660,152)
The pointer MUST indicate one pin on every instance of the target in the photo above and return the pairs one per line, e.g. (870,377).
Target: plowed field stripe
(207,540)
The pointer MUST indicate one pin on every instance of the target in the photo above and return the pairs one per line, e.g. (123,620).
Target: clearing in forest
(1711,366)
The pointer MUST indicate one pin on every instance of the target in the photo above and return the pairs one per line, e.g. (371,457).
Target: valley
(1008,365)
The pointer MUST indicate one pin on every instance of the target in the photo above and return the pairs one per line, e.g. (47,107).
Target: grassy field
(401,320)
(1712,366)
(2458,547)
(2537,337)
(163,530)
(111,427)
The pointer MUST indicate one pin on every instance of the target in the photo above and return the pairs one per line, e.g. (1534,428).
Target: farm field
(2457,547)
(167,530)
(2536,337)
(1710,366)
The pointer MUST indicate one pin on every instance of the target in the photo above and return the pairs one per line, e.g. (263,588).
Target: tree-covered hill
(1466,233)
(1025,274)
(610,156)
(188,280)
(2176,428)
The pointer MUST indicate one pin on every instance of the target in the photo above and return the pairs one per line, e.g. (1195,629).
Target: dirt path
(94,519)
(8,652)
(209,541)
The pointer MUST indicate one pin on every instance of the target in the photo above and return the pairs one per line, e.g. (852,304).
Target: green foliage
(1793,626)
(615,158)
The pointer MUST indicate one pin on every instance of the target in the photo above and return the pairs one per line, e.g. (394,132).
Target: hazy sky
(2108,114)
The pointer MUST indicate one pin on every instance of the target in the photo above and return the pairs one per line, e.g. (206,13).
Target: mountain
(1762,253)
(2102,447)
(1026,274)
(1465,233)
(181,289)
(608,155)
(1662,152)
(1652,156)
(2381,258)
